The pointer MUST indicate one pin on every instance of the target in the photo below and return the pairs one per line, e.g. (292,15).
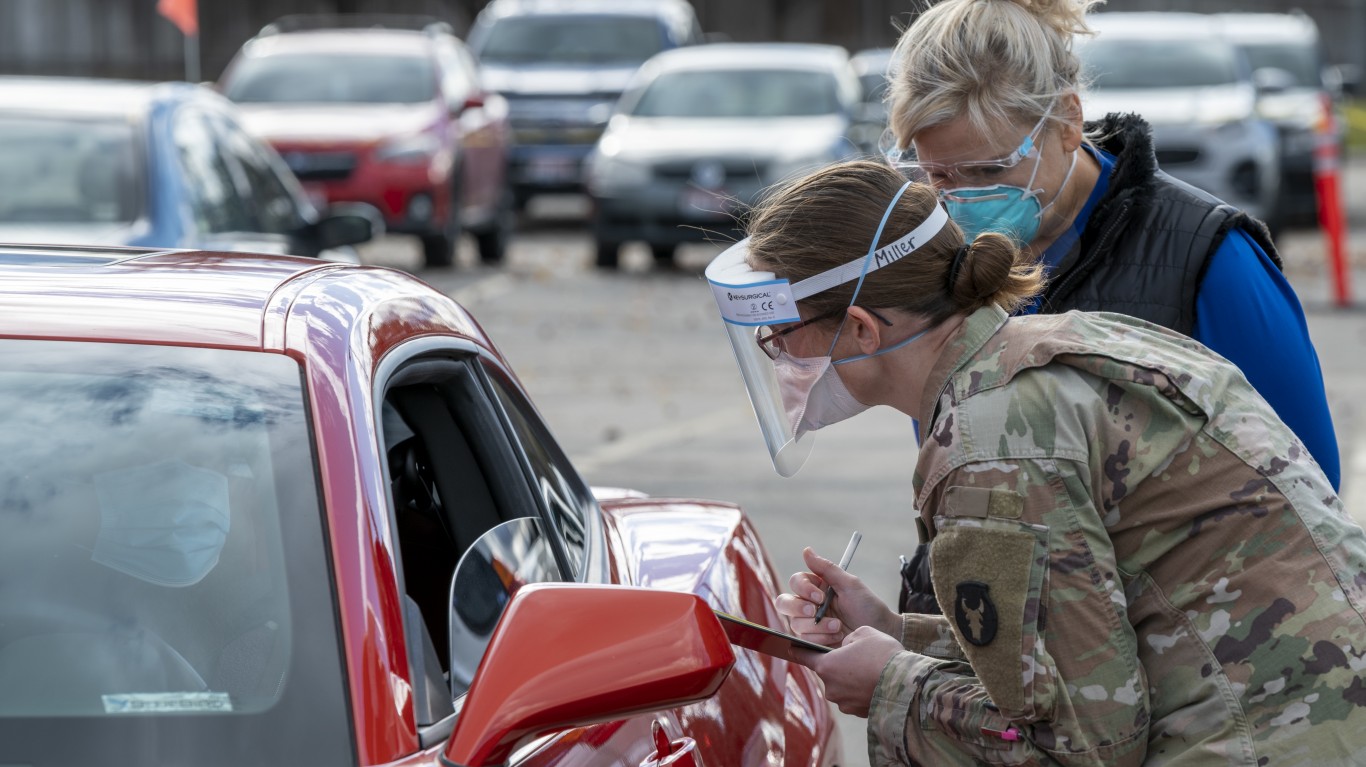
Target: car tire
(607,254)
(493,241)
(663,254)
(438,250)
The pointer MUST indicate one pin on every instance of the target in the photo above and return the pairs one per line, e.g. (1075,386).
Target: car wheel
(663,254)
(493,241)
(607,254)
(438,250)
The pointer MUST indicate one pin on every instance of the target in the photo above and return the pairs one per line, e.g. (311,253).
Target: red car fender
(768,710)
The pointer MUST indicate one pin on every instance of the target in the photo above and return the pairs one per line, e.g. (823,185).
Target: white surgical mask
(164,523)
(814,395)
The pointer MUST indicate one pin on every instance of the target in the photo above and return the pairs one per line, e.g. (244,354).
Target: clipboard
(753,636)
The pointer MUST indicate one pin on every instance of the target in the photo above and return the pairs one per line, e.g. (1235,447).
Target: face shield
(749,300)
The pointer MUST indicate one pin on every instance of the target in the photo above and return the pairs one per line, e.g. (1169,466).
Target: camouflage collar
(979,327)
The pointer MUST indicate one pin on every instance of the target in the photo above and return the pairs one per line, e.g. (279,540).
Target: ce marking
(762,306)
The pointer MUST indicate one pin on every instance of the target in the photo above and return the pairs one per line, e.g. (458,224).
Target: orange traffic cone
(1328,190)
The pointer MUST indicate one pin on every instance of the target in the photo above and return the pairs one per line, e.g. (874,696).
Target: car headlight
(608,174)
(409,150)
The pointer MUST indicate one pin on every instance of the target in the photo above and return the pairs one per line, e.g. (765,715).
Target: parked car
(398,118)
(1297,92)
(694,139)
(104,162)
(562,64)
(258,510)
(1193,86)
(871,67)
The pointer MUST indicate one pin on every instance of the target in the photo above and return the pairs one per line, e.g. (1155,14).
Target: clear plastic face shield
(754,304)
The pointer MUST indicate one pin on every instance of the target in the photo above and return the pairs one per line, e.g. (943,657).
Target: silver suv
(1195,88)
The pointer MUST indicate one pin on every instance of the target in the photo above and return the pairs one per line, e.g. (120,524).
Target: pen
(844,565)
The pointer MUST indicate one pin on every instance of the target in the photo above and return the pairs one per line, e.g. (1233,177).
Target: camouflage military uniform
(1138,561)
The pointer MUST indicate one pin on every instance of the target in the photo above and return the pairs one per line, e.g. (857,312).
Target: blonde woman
(985,105)
(1140,563)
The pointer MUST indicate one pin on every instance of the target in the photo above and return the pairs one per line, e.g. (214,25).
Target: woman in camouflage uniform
(1140,563)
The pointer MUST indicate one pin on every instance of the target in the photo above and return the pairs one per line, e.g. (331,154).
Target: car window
(453,476)
(458,73)
(65,171)
(164,577)
(563,492)
(334,78)
(273,206)
(578,38)
(211,189)
(1133,64)
(739,93)
(1302,61)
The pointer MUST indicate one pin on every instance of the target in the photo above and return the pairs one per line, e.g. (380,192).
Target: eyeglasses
(770,339)
(970,172)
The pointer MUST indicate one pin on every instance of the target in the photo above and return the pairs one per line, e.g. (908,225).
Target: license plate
(552,169)
(710,204)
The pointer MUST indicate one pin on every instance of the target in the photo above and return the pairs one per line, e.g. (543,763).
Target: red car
(265,510)
(388,116)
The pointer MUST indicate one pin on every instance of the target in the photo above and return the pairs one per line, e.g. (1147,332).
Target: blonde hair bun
(1066,17)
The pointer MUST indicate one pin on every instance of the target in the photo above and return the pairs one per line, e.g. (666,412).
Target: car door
(479,122)
(466,453)
(220,213)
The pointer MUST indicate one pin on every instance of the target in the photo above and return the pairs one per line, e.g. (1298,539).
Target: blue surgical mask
(164,523)
(1010,210)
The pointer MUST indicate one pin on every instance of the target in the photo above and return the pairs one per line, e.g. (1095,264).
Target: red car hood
(329,123)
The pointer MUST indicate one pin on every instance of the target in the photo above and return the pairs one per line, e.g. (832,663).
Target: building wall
(127,38)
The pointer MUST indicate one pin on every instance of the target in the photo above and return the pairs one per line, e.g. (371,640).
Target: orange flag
(182,13)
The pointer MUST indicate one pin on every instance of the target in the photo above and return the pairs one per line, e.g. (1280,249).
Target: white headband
(885,256)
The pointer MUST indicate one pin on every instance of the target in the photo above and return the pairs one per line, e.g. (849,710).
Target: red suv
(365,110)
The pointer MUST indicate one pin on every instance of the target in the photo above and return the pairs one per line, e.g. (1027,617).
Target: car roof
(1148,24)
(1269,27)
(661,8)
(178,297)
(354,41)
(89,97)
(752,55)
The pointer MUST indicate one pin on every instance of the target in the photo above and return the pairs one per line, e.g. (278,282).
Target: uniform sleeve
(1247,312)
(1028,581)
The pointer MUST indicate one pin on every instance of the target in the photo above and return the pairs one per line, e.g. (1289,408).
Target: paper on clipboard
(751,635)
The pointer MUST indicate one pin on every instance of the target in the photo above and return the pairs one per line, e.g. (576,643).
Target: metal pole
(192,58)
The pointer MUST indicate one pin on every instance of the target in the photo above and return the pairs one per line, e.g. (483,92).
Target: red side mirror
(570,655)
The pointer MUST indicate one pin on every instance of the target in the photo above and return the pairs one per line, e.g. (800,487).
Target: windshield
(68,171)
(572,39)
(1117,64)
(739,93)
(164,585)
(1299,60)
(333,78)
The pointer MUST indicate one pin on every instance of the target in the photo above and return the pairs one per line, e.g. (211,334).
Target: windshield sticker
(167,702)
(758,303)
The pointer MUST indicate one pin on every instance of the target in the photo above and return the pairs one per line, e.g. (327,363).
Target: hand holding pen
(811,594)
(844,565)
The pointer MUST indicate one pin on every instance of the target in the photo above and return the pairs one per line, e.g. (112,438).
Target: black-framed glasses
(770,339)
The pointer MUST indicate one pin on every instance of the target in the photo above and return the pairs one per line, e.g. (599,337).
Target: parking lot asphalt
(632,372)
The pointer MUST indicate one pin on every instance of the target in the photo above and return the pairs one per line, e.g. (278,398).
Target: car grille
(689,170)
(532,133)
(321,166)
(1181,156)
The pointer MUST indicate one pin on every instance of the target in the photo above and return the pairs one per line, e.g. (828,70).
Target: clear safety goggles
(965,173)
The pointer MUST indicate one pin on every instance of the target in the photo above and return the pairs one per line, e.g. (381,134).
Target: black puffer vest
(1143,253)
(1147,244)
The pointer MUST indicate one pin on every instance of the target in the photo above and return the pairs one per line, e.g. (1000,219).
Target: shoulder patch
(975,613)
(981,502)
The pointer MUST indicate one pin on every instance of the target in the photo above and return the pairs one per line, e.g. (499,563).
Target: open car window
(162,558)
